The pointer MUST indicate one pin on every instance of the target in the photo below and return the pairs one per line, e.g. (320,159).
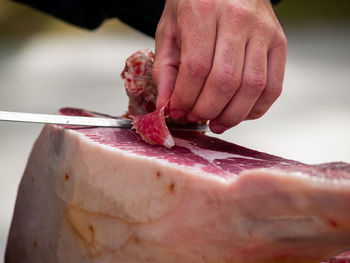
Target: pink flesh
(342,258)
(137,77)
(234,159)
(152,128)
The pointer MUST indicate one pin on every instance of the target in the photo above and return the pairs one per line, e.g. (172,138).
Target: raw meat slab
(104,195)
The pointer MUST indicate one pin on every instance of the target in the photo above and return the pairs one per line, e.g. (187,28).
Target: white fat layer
(169,142)
(195,168)
(209,155)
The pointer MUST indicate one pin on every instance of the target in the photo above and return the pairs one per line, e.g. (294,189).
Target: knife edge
(112,122)
(64,119)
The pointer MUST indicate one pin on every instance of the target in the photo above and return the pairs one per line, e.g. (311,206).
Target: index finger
(197,38)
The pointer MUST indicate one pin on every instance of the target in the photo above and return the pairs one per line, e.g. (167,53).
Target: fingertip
(192,118)
(217,128)
(160,102)
(176,113)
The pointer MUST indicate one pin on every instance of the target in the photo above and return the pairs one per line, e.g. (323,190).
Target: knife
(116,122)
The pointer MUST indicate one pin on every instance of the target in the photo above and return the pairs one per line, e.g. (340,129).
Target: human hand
(219,60)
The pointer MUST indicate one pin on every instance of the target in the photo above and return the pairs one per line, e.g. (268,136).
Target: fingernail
(176,114)
(218,129)
(191,118)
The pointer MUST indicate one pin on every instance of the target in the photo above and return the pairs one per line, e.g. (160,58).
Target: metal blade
(117,122)
(64,119)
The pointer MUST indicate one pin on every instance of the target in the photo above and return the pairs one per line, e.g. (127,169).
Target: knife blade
(117,122)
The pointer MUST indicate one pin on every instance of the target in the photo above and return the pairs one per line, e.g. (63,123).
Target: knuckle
(166,31)
(281,40)
(263,27)
(226,82)
(206,6)
(181,22)
(155,71)
(256,81)
(266,29)
(237,13)
(160,27)
(159,31)
(197,68)
(274,92)
(222,80)
(184,25)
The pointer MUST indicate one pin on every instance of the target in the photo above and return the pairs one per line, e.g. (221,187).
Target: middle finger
(253,84)
(224,78)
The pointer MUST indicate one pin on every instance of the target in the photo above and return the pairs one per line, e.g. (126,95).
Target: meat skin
(104,195)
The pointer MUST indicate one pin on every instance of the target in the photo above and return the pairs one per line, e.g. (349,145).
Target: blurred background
(46,64)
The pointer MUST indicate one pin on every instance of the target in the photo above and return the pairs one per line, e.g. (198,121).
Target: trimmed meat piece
(152,128)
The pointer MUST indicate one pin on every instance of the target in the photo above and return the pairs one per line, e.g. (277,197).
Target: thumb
(164,77)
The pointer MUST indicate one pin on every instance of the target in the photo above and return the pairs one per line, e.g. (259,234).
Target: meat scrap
(152,128)
(137,77)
